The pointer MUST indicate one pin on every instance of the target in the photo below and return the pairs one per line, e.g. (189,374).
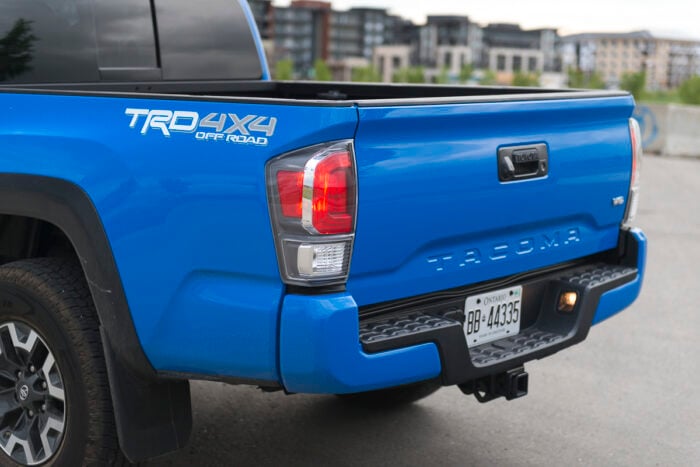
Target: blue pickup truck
(168,213)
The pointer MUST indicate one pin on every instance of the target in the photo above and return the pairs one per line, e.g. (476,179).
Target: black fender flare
(153,416)
(69,208)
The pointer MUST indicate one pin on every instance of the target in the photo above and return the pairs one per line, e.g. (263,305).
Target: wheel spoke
(13,441)
(52,424)
(54,391)
(8,402)
(28,344)
(9,359)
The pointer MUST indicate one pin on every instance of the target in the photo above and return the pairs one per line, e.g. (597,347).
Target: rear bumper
(325,348)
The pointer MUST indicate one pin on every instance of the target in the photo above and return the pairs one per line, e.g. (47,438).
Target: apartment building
(667,62)
(388,59)
(301,33)
(263,12)
(513,49)
(308,30)
(449,41)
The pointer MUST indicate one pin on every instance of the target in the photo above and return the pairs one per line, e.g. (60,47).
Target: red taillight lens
(333,202)
(329,207)
(290,186)
(313,206)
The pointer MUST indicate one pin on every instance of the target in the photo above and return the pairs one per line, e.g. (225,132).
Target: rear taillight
(313,204)
(633,196)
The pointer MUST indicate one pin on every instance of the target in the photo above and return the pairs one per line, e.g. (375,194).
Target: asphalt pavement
(629,395)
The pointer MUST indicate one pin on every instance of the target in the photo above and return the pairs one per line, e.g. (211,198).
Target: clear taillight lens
(313,204)
(633,196)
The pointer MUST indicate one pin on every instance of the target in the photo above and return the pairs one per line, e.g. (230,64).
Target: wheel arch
(68,207)
(153,416)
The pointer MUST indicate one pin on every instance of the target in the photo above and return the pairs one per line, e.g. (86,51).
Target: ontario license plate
(492,315)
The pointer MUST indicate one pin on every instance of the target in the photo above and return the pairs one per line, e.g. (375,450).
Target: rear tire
(46,313)
(392,398)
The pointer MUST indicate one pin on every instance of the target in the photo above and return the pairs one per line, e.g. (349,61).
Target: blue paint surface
(433,214)
(189,226)
(618,299)
(187,220)
(320,351)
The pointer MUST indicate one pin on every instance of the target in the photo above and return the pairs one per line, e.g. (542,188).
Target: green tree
(635,83)
(595,81)
(465,74)
(16,50)
(488,78)
(689,91)
(321,71)
(585,80)
(526,79)
(443,77)
(366,74)
(284,70)
(409,75)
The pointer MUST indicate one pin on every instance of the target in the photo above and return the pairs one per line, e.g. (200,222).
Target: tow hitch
(512,384)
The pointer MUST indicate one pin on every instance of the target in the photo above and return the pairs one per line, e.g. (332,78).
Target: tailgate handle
(522,162)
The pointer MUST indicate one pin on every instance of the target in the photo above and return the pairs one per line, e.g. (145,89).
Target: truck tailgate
(434,215)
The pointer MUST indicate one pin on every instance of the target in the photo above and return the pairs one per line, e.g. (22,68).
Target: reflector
(321,259)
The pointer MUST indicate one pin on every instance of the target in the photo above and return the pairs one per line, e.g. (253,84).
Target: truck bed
(324,93)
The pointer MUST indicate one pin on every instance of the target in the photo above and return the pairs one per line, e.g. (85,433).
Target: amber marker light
(567,301)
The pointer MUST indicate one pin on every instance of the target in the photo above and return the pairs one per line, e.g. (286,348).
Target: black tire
(392,398)
(50,297)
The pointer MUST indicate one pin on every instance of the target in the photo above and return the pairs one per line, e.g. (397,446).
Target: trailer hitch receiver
(512,384)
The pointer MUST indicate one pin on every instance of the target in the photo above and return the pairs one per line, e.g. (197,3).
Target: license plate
(492,315)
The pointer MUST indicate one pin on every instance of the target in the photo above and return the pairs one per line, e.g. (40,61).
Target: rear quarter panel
(187,219)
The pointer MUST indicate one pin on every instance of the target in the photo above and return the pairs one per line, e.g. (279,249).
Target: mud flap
(153,417)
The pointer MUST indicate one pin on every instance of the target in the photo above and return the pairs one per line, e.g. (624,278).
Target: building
(400,30)
(667,62)
(453,58)
(517,45)
(263,12)
(343,69)
(309,30)
(508,60)
(445,37)
(388,59)
(373,22)
(346,35)
(356,32)
(301,33)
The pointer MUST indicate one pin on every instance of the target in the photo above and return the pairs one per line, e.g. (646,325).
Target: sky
(675,18)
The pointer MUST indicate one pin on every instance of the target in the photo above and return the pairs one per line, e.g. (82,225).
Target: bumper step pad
(547,333)
(373,334)
(528,340)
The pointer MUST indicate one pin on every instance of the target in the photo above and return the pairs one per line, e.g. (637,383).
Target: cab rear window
(75,41)
(47,41)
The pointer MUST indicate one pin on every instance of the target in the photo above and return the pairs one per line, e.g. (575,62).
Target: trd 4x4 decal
(227,127)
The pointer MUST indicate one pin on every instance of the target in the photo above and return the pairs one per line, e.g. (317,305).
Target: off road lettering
(225,127)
